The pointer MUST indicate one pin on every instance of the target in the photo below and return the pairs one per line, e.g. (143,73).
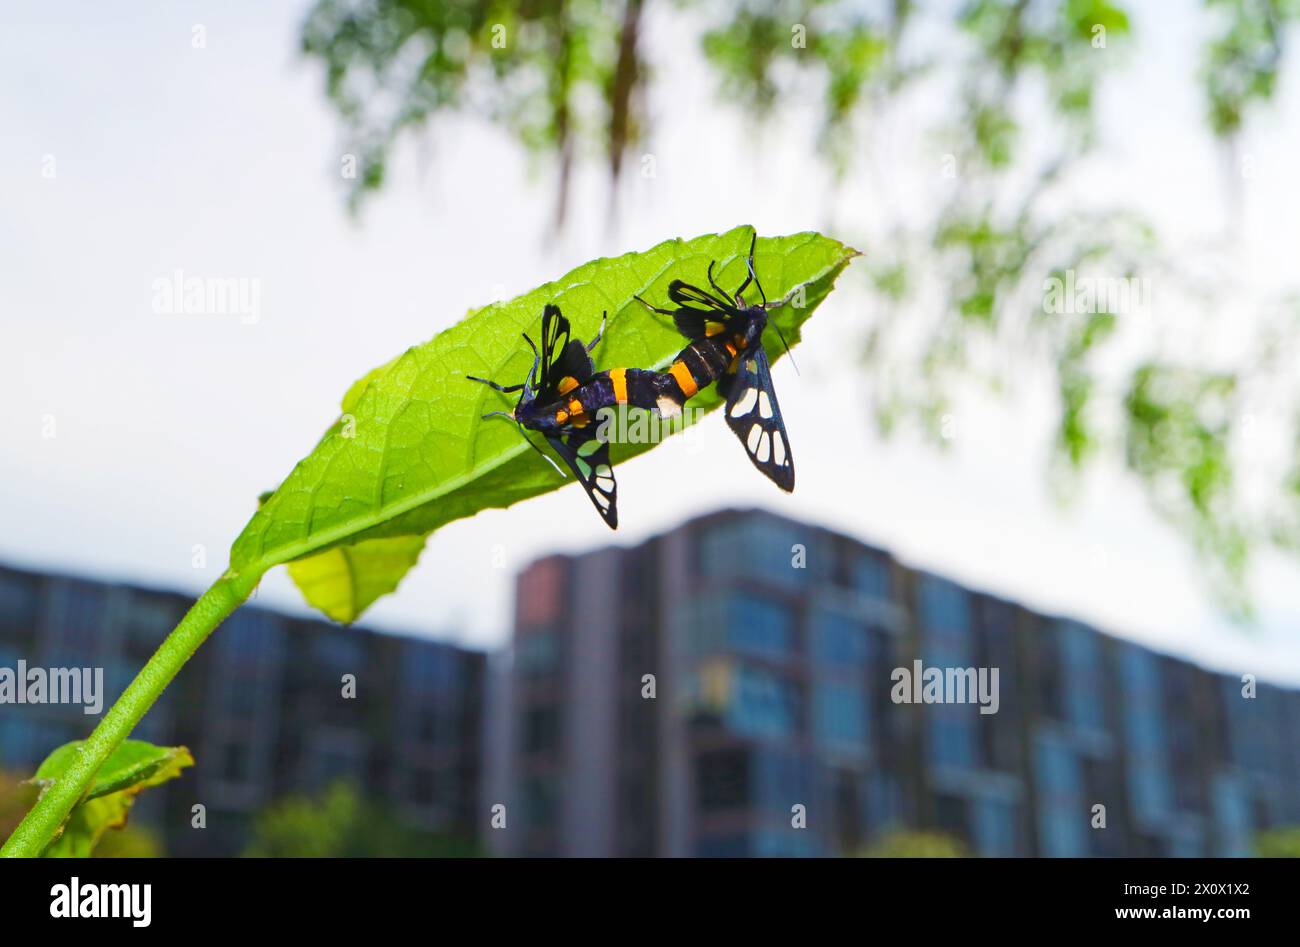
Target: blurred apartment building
(261,706)
(772,689)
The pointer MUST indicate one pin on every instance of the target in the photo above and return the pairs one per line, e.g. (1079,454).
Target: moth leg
(599,334)
(491,384)
(662,312)
(714,283)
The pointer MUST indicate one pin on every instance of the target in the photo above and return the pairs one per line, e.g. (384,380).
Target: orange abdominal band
(684,379)
(619,378)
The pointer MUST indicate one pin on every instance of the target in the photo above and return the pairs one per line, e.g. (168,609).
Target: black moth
(561,398)
(727,347)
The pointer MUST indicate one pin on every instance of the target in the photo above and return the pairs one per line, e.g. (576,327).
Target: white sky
(223,162)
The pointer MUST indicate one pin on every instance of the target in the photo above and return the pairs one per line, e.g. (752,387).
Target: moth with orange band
(727,347)
(561,398)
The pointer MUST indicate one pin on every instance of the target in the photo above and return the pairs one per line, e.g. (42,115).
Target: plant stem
(42,823)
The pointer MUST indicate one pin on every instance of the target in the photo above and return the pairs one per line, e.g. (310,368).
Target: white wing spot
(764,405)
(764,448)
(755,435)
(605,483)
(778,450)
(745,403)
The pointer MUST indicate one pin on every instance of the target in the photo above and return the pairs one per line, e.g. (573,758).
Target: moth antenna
(786,347)
(543,453)
(749,262)
(527,439)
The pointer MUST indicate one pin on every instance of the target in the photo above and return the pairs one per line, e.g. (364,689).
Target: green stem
(42,823)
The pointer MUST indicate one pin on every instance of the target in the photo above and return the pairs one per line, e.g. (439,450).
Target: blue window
(149,618)
(755,545)
(1081,670)
(840,714)
(1232,817)
(340,651)
(1062,813)
(763,704)
(739,622)
(952,736)
(786,843)
(431,668)
(247,636)
(83,618)
(883,803)
(782,779)
(839,640)
(760,626)
(19,601)
(1150,788)
(995,827)
(945,609)
(537,653)
(17,744)
(871,575)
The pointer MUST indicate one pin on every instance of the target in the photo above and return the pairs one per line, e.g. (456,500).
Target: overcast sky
(223,161)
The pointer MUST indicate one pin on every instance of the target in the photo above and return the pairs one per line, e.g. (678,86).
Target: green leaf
(344,581)
(413,453)
(133,767)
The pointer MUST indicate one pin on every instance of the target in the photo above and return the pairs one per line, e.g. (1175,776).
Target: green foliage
(849,53)
(1279,843)
(344,581)
(1240,64)
(133,767)
(131,841)
(413,452)
(392,65)
(1180,422)
(958,281)
(16,797)
(341,824)
(915,844)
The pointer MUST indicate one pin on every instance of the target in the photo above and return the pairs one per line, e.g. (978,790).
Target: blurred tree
(392,64)
(915,844)
(1278,843)
(974,284)
(341,824)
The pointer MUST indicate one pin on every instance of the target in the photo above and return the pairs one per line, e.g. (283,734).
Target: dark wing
(555,341)
(574,362)
(753,413)
(588,458)
(700,313)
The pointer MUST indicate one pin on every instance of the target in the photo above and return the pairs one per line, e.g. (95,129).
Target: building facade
(729,689)
(261,706)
